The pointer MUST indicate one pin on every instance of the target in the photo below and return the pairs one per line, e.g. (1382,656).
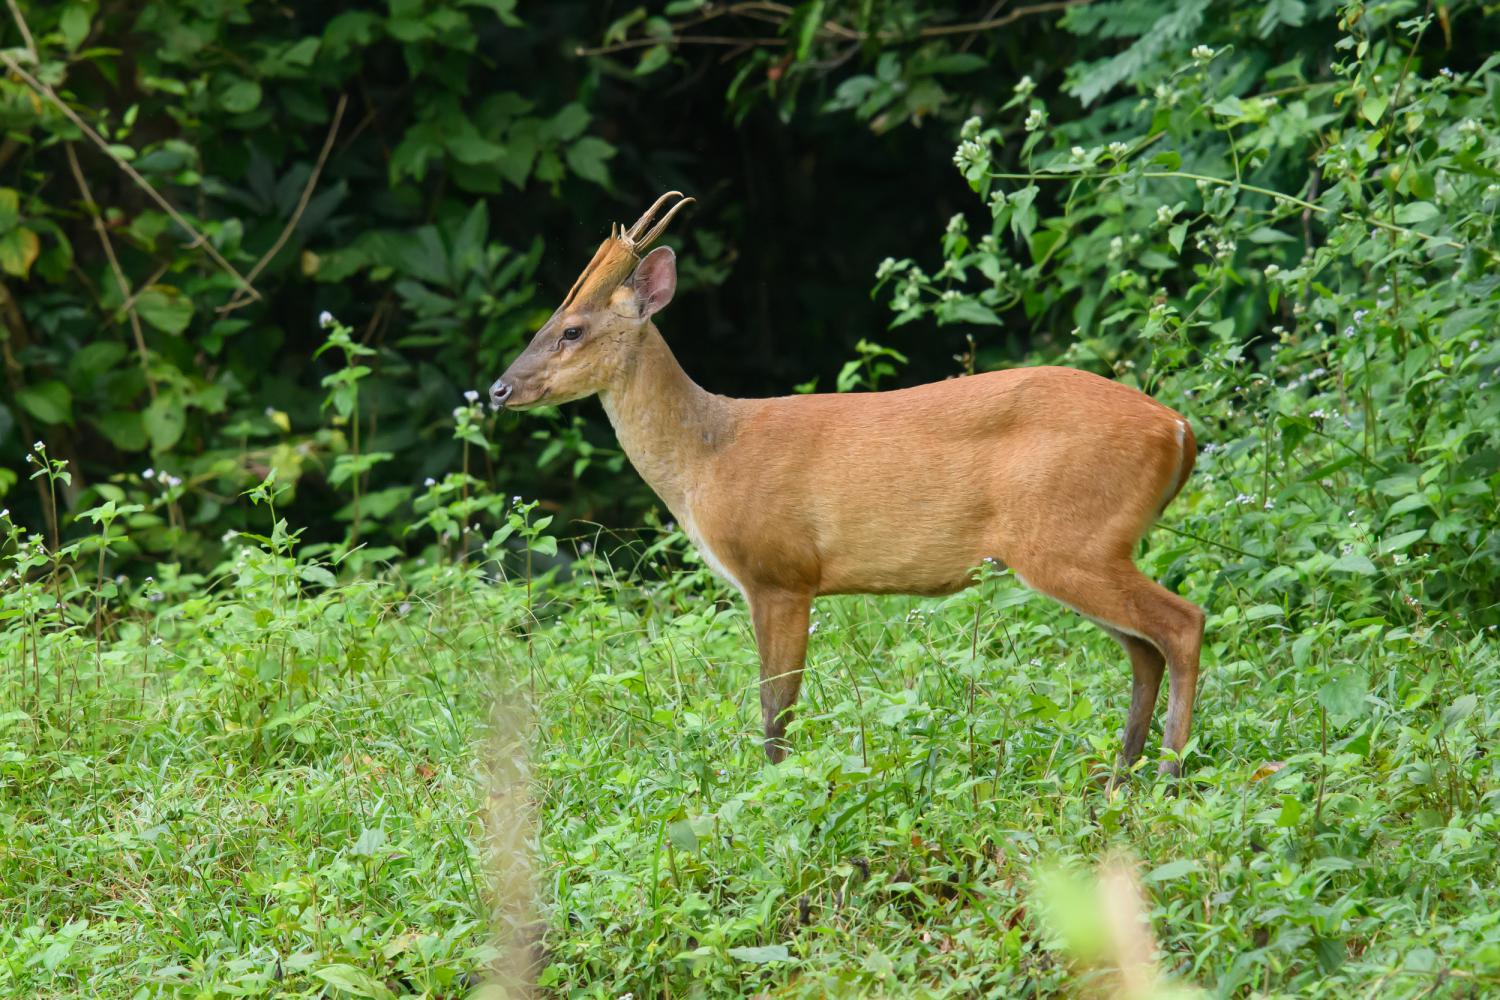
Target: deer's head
(590,338)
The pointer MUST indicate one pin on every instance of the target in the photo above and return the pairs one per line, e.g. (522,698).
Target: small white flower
(39,446)
(1025,85)
(1078,152)
(970,127)
(472,396)
(149,474)
(516,500)
(429,482)
(969,153)
(1202,53)
(1118,149)
(1035,120)
(1272,270)
(325,319)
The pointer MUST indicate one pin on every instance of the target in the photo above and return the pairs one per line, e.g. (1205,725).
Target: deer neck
(667,425)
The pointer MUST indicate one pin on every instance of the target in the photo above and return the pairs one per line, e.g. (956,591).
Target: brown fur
(1054,472)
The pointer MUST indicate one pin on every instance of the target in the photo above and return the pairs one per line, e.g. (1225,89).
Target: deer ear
(655,280)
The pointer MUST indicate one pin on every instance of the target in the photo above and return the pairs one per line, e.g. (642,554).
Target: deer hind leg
(1146,667)
(780,619)
(1117,596)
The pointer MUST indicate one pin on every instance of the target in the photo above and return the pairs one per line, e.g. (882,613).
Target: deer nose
(500,392)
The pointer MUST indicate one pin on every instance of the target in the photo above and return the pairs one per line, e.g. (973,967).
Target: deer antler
(638,237)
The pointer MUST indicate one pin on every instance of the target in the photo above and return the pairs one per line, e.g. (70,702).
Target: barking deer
(1053,472)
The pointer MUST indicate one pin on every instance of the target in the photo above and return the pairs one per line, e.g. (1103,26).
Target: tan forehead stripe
(617,256)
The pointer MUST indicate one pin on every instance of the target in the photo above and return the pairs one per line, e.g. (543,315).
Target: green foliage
(1302,266)
(258,777)
(339,160)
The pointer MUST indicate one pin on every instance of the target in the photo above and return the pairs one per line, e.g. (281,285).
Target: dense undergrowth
(259,779)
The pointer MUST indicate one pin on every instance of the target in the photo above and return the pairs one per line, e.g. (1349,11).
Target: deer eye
(573,333)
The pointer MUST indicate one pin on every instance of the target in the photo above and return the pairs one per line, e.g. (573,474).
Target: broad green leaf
(682,836)
(166,308)
(1344,697)
(1458,711)
(371,838)
(1172,870)
(74,25)
(125,429)
(353,980)
(1354,562)
(238,95)
(165,418)
(969,311)
(1176,235)
(10,208)
(588,159)
(1416,211)
(653,59)
(569,123)
(760,955)
(1374,105)
(50,402)
(18,251)
(1398,543)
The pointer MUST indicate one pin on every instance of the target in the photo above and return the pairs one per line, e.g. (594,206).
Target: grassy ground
(254,789)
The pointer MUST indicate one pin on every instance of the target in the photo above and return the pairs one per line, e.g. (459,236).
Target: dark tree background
(481,151)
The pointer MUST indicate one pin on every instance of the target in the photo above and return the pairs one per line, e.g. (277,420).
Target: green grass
(287,794)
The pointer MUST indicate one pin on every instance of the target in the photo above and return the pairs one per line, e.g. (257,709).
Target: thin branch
(829,29)
(93,209)
(155,277)
(641,43)
(1003,20)
(291,223)
(198,238)
(126,296)
(15,13)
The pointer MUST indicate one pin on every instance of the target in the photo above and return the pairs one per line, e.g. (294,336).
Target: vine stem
(1253,188)
(199,240)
